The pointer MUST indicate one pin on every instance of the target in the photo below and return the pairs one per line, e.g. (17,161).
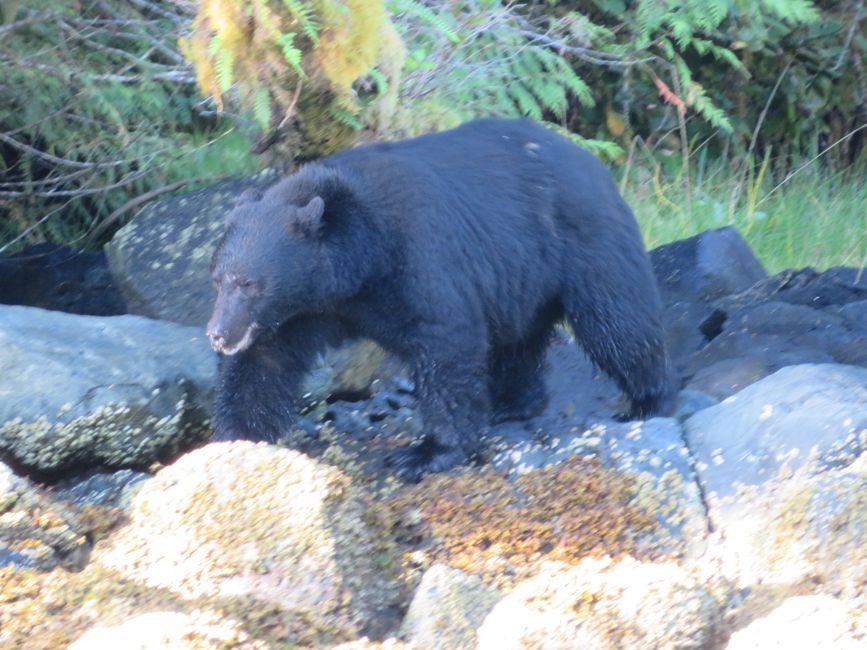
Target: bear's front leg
(258,389)
(454,403)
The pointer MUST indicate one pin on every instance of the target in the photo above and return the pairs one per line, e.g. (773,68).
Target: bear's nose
(217,337)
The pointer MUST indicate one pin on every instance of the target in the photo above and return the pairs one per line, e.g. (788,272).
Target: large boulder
(819,621)
(604,604)
(99,391)
(254,527)
(802,415)
(447,608)
(709,265)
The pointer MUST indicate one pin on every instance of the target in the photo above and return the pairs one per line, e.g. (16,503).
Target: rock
(801,414)
(39,531)
(799,529)
(724,378)
(160,259)
(652,453)
(99,391)
(447,609)
(771,351)
(690,402)
(818,621)
(710,265)
(160,630)
(366,644)
(604,604)
(61,279)
(806,287)
(255,527)
(106,489)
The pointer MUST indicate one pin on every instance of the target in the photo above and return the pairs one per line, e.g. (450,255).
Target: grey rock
(446,610)
(807,287)
(106,489)
(690,402)
(724,378)
(99,391)
(709,265)
(36,530)
(815,413)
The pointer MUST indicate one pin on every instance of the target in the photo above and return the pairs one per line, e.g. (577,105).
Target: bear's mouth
(242,344)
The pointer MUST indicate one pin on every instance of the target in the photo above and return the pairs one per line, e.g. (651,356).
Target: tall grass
(814,217)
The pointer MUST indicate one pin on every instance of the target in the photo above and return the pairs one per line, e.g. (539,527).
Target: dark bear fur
(456,251)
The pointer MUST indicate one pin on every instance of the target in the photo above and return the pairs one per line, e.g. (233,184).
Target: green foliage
(479,57)
(97,108)
(816,219)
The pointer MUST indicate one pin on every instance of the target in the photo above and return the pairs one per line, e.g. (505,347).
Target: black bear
(457,251)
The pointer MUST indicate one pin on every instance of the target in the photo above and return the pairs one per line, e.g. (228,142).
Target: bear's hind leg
(616,319)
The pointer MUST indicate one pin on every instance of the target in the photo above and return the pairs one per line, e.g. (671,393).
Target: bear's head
(271,264)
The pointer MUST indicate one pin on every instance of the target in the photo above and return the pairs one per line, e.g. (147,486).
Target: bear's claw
(413,462)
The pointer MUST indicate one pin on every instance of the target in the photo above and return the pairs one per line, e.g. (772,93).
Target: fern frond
(426,15)
(347,117)
(223,67)
(527,104)
(303,13)
(291,54)
(262,107)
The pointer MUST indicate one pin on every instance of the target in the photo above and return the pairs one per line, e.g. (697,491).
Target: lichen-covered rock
(651,454)
(802,415)
(99,391)
(255,527)
(447,609)
(799,529)
(604,604)
(39,531)
(174,630)
(818,621)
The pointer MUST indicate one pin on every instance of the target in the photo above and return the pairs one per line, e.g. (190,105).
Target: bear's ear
(308,219)
(249,196)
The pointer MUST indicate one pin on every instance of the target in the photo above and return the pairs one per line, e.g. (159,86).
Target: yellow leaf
(616,124)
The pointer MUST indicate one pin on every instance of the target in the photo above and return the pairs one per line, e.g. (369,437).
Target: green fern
(380,80)
(291,54)
(262,107)
(798,11)
(303,13)
(426,15)
(348,118)
(222,65)
(525,100)
(601,148)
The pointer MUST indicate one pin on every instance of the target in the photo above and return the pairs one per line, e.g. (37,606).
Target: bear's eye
(248,286)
